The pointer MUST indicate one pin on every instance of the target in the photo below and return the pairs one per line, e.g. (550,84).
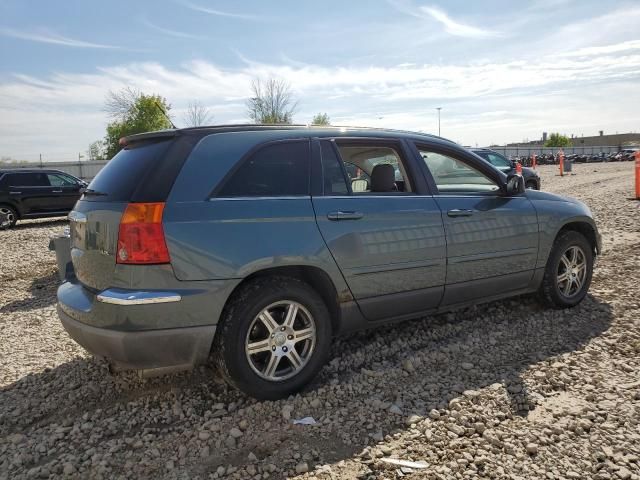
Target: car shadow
(451,356)
(42,294)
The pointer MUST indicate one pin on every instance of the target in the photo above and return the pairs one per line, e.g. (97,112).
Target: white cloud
(169,32)
(218,13)
(52,38)
(483,102)
(455,27)
(605,49)
(451,26)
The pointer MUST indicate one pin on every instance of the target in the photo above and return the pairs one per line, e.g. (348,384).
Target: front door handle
(14,193)
(57,191)
(341,215)
(460,213)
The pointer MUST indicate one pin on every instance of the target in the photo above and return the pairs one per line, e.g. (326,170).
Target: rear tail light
(141,237)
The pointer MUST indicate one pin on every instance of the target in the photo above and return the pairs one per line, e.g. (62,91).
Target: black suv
(36,193)
(502,163)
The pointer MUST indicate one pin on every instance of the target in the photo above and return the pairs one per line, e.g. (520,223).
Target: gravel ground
(504,390)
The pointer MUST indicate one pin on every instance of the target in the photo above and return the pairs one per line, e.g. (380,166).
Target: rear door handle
(460,213)
(57,191)
(340,215)
(15,193)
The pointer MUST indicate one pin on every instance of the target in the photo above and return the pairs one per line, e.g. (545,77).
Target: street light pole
(438,108)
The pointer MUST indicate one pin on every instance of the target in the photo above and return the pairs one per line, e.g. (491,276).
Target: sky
(501,70)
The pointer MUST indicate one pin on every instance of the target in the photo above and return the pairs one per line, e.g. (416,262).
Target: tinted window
(121,175)
(28,180)
(276,170)
(452,175)
(332,173)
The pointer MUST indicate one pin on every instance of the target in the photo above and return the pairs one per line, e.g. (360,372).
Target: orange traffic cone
(637,155)
(519,168)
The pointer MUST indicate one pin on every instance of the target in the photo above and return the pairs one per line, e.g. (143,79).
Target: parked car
(249,243)
(502,163)
(36,193)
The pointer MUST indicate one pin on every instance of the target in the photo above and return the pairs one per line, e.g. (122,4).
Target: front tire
(8,217)
(568,273)
(273,338)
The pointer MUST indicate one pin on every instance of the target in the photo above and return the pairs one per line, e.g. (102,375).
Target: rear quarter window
(121,176)
(274,170)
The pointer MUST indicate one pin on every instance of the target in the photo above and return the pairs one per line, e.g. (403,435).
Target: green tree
(557,140)
(272,102)
(133,112)
(321,119)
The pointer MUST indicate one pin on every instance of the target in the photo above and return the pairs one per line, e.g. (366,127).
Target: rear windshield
(119,178)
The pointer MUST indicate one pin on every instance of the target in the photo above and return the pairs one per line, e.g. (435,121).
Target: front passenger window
(452,175)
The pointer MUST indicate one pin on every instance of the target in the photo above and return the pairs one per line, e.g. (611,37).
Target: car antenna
(165,114)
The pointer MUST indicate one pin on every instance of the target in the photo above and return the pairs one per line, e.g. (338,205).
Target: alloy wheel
(280,340)
(572,271)
(6,217)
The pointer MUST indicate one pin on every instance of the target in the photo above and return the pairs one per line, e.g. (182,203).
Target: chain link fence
(84,170)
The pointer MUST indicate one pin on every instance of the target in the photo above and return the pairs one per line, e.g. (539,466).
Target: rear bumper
(164,350)
(143,329)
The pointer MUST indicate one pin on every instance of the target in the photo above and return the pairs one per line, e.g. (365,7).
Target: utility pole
(438,109)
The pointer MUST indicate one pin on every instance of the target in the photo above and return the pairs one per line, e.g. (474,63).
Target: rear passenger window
(276,170)
(28,180)
(332,173)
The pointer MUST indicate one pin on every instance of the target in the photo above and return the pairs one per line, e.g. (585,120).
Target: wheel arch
(14,207)
(314,276)
(585,228)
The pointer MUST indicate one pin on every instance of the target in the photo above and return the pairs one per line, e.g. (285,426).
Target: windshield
(496,160)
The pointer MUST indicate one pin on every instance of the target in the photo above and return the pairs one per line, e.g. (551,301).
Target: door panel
(498,236)
(64,190)
(386,245)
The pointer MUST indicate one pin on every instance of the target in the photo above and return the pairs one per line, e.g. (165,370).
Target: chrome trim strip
(491,255)
(396,267)
(130,297)
(298,197)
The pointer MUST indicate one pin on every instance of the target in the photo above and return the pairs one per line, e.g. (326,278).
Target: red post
(637,155)
(533,161)
(561,154)
(519,168)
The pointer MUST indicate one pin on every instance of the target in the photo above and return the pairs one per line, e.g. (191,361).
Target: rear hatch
(142,172)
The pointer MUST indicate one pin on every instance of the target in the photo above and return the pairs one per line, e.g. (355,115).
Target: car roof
(482,149)
(302,130)
(30,170)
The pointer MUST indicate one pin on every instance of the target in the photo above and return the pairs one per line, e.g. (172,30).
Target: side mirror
(514,185)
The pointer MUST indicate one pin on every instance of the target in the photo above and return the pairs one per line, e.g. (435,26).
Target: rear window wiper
(91,191)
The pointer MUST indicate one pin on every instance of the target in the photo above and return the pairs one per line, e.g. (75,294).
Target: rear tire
(8,217)
(531,185)
(568,273)
(273,338)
